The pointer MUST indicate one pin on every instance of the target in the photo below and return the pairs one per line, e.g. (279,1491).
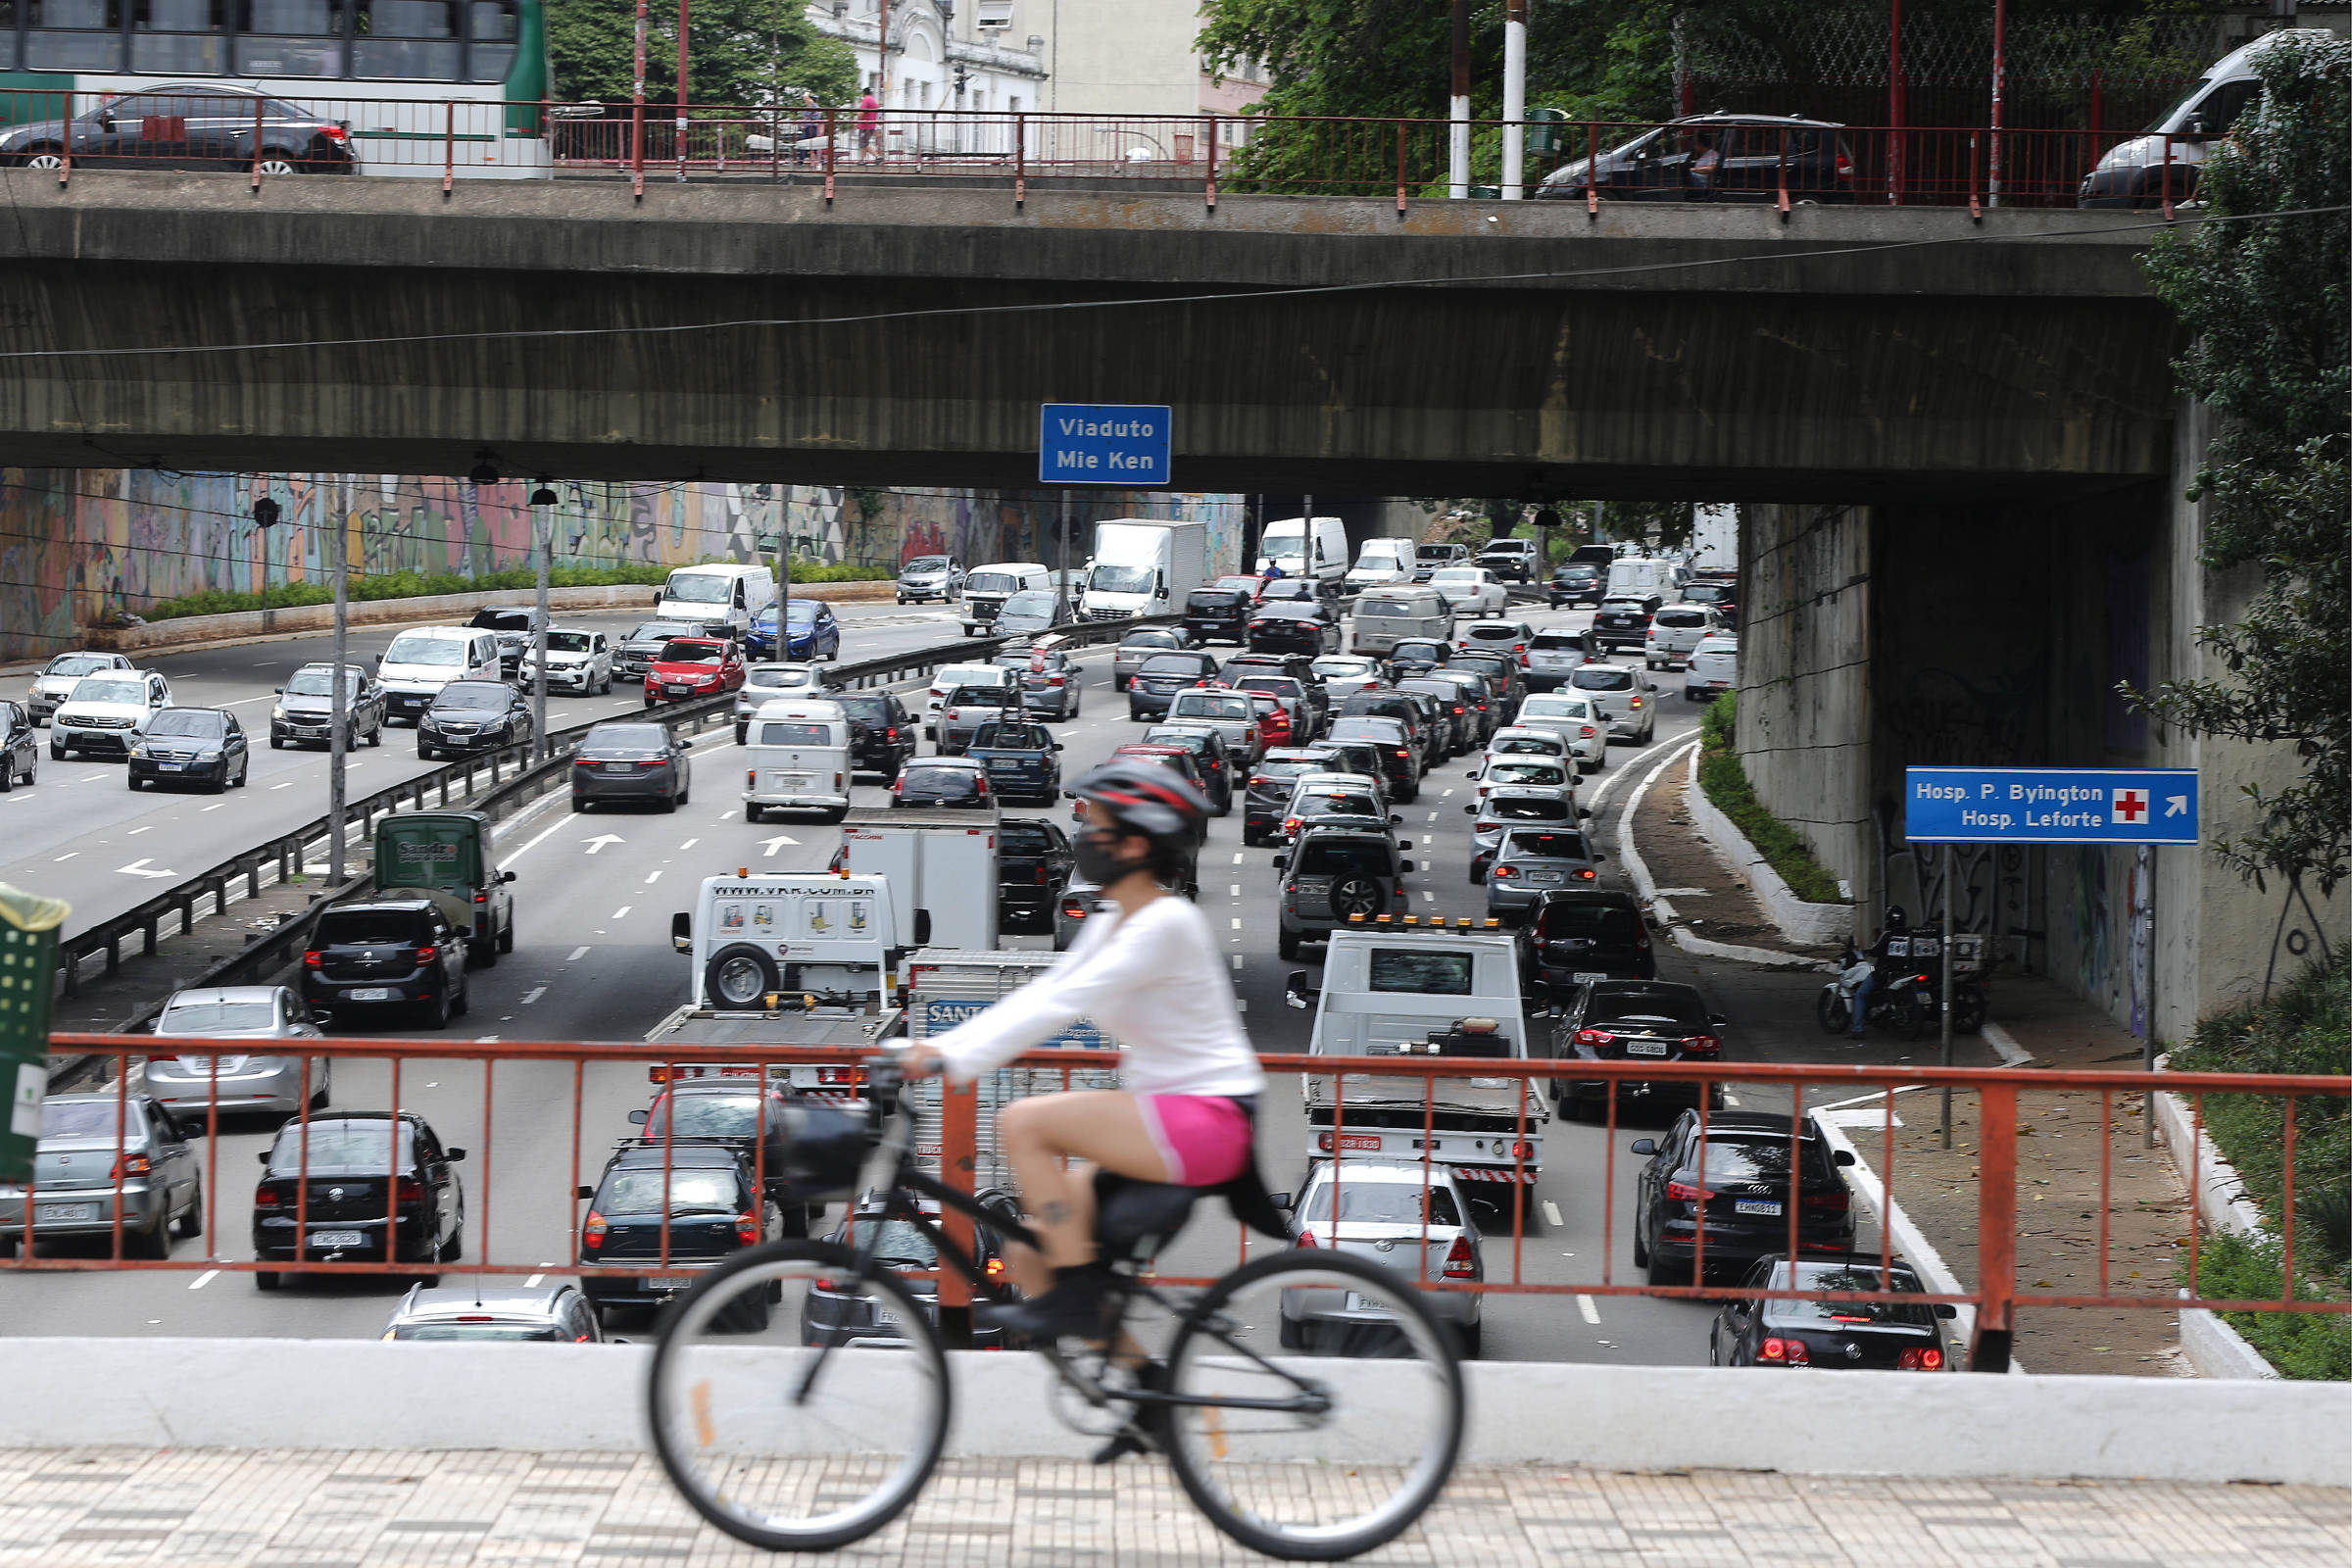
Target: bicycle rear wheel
(799,1397)
(1327,1409)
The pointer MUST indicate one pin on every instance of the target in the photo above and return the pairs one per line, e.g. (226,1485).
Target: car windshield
(1151,639)
(339,1144)
(1494,634)
(1215,597)
(1560,641)
(1433,553)
(1840,1277)
(1012,738)
(944,781)
(1510,808)
(977,696)
(921,564)
(372,928)
(663,630)
(1601,679)
(185,721)
(1410,970)
(1123,579)
(1334,803)
(779,677)
(1682,618)
(1379,1204)
(865,707)
(777,732)
(215,1017)
(1417,648)
(1378,606)
(684,651)
(709,1116)
(1290,611)
(471,694)
(900,1241)
(1278,685)
(1545,845)
(79,664)
(319,683)
(608,739)
(1598,922)
(542,1333)
(1172,665)
(1534,770)
(1030,602)
(1759,1157)
(423,647)
(691,1191)
(1456,574)
(569,641)
(1203,705)
(1342,668)
(101,689)
(1554,707)
(1525,745)
(77,1118)
(801,612)
(694,588)
(1286,769)
(1323,858)
(502,619)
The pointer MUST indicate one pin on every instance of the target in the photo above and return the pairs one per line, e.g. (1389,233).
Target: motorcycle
(1903,999)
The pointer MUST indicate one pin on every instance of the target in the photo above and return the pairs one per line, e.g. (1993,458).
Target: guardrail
(513,780)
(1800,1190)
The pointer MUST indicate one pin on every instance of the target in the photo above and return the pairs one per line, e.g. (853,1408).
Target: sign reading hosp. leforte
(1104,443)
(2051,805)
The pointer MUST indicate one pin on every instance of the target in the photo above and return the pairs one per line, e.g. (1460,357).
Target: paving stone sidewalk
(194,1508)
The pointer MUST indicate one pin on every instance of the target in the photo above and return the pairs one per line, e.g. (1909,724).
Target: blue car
(810,632)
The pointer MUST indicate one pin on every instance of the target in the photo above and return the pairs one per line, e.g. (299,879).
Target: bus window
(406,39)
(75,35)
(178,37)
(490,52)
(291,38)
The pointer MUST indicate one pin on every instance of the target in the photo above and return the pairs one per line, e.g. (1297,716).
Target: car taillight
(1457,710)
(1039,876)
(1846,170)
(996,1268)
(1290,824)
(1523,1150)
(482,897)
(266,1197)
(314,959)
(747,1229)
(1590,732)
(1685,1193)
(751,778)
(1930,1360)
(1790,1352)
(132,1165)
(841,1075)
(1636,703)
(1504,872)
(408,1190)
(428,954)
(1306,1238)
(1595,1037)
(1460,1264)
(891,734)
(982,781)
(1835,1203)
(338,133)
(592,1234)
(1403,754)
(1072,909)
(1702,1045)
(898,785)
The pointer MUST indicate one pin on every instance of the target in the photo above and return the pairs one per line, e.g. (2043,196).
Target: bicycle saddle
(1128,1212)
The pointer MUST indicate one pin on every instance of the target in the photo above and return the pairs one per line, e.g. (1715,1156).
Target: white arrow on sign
(2175,804)
(139,868)
(601,839)
(776,843)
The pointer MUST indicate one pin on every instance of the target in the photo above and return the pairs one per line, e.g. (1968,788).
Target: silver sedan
(190,1085)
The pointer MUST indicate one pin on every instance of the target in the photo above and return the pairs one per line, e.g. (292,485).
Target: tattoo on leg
(1055,1212)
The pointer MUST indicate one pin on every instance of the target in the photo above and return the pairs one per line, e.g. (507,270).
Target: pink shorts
(1204,1138)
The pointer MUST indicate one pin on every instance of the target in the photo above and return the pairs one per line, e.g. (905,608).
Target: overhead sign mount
(2050,806)
(1123,444)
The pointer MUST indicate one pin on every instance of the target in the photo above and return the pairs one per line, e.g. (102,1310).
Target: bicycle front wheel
(1317,1403)
(799,1397)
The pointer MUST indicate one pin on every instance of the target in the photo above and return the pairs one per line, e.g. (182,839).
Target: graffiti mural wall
(80,547)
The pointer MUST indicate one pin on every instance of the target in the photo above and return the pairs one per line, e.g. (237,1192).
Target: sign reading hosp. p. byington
(1104,443)
(2051,805)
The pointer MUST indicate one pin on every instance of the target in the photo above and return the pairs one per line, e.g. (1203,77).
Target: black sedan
(359,1187)
(1294,626)
(1160,677)
(1734,1182)
(950,781)
(1754,1330)
(675,1206)
(1579,582)
(191,746)
(1621,623)
(474,715)
(19,747)
(630,761)
(1634,1020)
(188,127)
(1219,614)
(1033,867)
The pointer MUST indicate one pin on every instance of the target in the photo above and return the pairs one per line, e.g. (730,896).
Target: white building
(944,56)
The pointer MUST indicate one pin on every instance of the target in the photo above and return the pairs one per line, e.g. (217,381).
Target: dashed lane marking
(690,844)
(1236,889)
(533,995)
(204,1279)
(288,785)
(577,954)
(1237,922)
(215,806)
(652,876)
(1591,1310)
(1236,860)
(67,855)
(136,831)
(1237,962)
(1552,1213)
(623,909)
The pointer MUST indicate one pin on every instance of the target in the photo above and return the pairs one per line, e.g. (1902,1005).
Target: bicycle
(1309,1402)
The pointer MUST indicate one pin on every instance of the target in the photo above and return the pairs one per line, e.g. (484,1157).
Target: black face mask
(1096,863)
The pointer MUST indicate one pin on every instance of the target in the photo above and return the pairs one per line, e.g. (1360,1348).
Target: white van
(1304,547)
(1644,579)
(1401,610)
(985,588)
(711,594)
(425,659)
(1380,562)
(796,759)
(2134,172)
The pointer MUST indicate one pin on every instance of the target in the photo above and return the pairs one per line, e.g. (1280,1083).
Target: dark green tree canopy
(740,53)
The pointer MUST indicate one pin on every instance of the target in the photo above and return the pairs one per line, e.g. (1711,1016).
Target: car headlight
(278,715)
(211,753)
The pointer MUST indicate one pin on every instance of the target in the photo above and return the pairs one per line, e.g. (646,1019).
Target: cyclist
(1150,971)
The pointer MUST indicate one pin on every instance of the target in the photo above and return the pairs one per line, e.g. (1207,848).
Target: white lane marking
(1552,1213)
(479,1039)
(1236,860)
(691,842)
(215,805)
(242,700)
(532,1282)
(1446,795)
(723,816)
(623,909)
(1432,837)
(652,876)
(1433,817)
(139,866)
(533,995)
(204,1279)
(1237,922)
(136,831)
(1428,896)
(89,778)
(1591,1309)
(771,845)
(1237,962)
(594,844)
(1241,1004)
(1236,889)
(535,838)
(1730,1099)
(70,854)
(577,954)
(288,785)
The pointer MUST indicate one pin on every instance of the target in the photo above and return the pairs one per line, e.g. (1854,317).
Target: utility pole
(683,23)
(1947,995)
(637,106)
(339,706)
(1457,163)
(1063,555)
(2000,92)
(543,539)
(1514,98)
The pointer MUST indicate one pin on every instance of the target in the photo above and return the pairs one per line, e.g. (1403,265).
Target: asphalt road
(593,961)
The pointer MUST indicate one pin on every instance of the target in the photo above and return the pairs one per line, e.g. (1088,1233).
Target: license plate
(621,767)
(1360,1141)
(170,767)
(370,993)
(1586,977)
(1544,876)
(327,1241)
(62,1213)
(1360,1302)
(786,781)
(1767,1207)
(669,1282)
(1645,1048)
(675,691)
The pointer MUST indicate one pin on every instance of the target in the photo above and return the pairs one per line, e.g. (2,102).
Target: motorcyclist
(1894,940)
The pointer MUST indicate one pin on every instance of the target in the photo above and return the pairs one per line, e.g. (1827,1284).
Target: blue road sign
(1104,443)
(2051,805)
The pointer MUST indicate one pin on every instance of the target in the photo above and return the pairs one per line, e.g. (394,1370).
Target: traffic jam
(1407,760)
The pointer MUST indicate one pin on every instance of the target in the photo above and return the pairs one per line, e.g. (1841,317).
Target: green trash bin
(1542,131)
(29,926)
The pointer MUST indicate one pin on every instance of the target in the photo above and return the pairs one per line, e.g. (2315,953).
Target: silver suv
(1332,875)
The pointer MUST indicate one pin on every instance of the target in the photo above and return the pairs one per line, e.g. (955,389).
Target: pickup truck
(967,707)
(1022,757)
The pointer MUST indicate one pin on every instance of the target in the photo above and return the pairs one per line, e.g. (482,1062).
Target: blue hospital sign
(2050,806)
(1104,443)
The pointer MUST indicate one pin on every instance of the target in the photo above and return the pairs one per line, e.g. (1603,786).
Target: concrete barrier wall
(1812,925)
(366,1394)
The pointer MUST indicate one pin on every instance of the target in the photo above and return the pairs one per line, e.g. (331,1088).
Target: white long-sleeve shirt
(1156,982)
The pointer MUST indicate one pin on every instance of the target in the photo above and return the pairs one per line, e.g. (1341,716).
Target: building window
(994,14)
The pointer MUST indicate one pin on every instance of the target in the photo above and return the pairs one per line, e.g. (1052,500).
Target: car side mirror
(322,1018)
(1057,746)
(506,876)
(588,1192)
(261,1158)
(1281,1201)
(681,931)
(638,1118)
(923,929)
(1282,861)
(1294,992)
(1843,1156)
(1585,814)
(280,690)
(1946,1310)
(1405,866)
(1644,1145)
(1717,1018)
(1469,810)
(456,1154)
(1598,857)
(1395,820)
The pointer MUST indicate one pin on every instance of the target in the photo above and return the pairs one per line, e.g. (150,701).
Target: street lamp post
(1457,162)
(684,7)
(339,704)
(1514,98)
(542,538)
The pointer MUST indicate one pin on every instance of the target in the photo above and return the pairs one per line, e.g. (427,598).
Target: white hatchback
(1471,590)
(1714,669)
(1575,718)
(1675,634)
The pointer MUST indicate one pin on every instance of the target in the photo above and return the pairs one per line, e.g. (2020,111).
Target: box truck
(1141,568)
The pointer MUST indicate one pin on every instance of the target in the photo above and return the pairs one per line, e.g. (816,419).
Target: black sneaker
(1074,1305)
(1147,1427)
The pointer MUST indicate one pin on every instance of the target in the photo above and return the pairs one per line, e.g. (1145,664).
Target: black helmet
(1897,920)
(1148,799)
(819,1148)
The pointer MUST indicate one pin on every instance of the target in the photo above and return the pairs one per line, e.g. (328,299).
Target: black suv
(1579,582)
(1741,1195)
(1596,931)
(1716,158)
(1635,1020)
(334,1189)
(1033,867)
(882,735)
(707,1207)
(399,952)
(1218,614)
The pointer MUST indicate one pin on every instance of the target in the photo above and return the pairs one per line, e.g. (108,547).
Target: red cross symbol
(2130,806)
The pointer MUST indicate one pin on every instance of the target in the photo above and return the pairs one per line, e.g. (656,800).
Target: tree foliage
(739,53)
(2266,304)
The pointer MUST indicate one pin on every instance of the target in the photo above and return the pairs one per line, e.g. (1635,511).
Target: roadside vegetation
(1726,783)
(811,571)
(399,585)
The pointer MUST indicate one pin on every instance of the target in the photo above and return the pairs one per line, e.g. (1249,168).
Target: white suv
(104,714)
(57,678)
(1714,669)
(1675,634)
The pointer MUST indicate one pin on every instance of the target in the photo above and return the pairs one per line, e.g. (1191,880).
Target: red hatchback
(688,667)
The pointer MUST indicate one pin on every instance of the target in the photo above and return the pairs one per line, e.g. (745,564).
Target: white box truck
(944,988)
(1304,547)
(1143,568)
(940,867)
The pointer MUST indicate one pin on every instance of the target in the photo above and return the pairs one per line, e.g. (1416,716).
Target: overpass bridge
(905,335)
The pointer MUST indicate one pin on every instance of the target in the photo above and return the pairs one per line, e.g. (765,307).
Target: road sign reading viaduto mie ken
(2051,805)
(1104,443)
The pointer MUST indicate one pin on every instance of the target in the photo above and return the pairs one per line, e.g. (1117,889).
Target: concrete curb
(1807,924)
(2218,1350)
(1646,887)
(2005,1045)
(202,1393)
(2221,1193)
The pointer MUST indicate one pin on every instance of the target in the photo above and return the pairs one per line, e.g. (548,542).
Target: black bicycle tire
(1323,1260)
(924,1342)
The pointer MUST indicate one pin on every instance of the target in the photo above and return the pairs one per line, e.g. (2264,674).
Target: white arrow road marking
(601,839)
(771,845)
(139,868)
(2175,804)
